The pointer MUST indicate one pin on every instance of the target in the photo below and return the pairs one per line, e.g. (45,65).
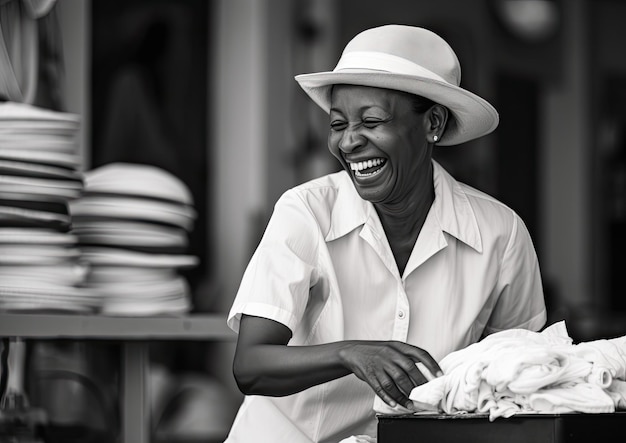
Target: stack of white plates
(132,223)
(41,136)
(40,262)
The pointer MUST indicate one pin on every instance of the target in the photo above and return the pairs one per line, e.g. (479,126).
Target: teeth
(360,166)
(366,174)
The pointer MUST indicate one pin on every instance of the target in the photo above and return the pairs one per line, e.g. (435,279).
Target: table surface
(134,334)
(52,325)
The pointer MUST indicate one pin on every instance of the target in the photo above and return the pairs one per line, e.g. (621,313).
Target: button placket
(401,323)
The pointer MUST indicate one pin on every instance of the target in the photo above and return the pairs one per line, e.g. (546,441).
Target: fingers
(387,388)
(396,380)
(390,369)
(416,375)
(402,380)
(421,356)
(387,377)
(415,368)
(425,371)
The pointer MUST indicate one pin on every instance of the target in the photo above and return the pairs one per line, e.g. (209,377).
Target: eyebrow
(361,109)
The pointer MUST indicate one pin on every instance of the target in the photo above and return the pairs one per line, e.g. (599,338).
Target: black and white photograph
(312,221)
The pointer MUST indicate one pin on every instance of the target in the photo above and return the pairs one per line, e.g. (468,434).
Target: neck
(403,219)
(407,218)
(408,213)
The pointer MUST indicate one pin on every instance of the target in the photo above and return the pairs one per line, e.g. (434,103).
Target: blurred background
(204,89)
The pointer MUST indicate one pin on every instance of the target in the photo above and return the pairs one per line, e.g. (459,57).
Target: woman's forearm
(264,364)
(278,370)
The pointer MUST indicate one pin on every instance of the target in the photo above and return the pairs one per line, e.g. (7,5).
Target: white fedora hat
(410,59)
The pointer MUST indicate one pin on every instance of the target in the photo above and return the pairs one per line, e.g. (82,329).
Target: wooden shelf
(205,327)
(134,334)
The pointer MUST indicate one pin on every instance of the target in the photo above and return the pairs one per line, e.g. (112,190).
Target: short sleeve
(276,282)
(520,302)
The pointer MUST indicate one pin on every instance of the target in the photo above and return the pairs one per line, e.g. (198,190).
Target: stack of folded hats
(40,265)
(132,223)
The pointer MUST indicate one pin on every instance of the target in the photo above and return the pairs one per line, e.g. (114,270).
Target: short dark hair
(421,104)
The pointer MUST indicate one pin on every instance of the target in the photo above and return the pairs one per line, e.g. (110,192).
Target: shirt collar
(451,208)
(349,211)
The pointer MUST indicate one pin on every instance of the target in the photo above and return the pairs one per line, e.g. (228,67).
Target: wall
(239,137)
(73,20)
(566,167)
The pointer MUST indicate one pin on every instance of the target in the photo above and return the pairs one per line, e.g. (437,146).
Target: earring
(435,138)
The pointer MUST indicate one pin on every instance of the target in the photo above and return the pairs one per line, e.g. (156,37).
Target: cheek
(333,146)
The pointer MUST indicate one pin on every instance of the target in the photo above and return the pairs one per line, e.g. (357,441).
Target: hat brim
(474,117)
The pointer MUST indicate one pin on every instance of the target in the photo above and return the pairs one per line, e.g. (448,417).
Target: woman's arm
(265,365)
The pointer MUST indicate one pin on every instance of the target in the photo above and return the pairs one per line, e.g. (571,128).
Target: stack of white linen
(520,371)
(132,223)
(40,265)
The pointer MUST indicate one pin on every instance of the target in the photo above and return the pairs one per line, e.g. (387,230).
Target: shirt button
(400,314)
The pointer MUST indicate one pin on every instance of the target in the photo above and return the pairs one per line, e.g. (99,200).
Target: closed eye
(371,123)
(338,125)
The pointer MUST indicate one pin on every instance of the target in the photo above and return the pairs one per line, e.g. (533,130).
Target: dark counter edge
(485,417)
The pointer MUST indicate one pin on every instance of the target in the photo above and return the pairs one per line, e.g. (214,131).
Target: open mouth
(367,168)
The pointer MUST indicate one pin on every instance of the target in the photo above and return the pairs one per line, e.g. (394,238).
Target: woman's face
(380,140)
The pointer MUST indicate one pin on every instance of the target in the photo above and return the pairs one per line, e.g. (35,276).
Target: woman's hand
(389,368)
(265,365)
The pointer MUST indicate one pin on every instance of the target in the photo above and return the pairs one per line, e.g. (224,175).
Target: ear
(436,117)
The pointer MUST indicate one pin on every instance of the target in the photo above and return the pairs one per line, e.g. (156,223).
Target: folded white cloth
(359,439)
(617,391)
(581,397)
(523,371)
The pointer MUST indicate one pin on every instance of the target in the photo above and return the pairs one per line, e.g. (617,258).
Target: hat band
(383,62)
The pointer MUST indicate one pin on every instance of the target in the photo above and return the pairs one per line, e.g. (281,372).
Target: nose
(351,140)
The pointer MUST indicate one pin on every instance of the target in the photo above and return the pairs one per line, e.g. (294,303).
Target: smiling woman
(366,277)
(372,124)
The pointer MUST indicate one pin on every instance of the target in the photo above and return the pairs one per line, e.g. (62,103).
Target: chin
(374,193)
(371,195)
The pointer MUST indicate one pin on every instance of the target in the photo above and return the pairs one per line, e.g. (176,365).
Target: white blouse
(324,268)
